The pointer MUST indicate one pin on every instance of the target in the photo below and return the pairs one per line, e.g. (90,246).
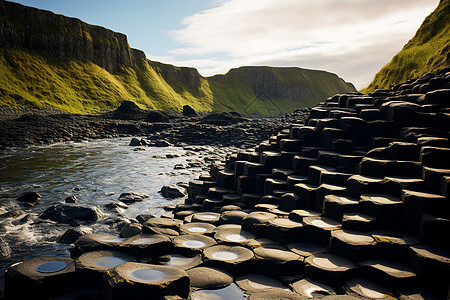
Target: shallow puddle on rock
(177,260)
(109,261)
(197,229)
(230,292)
(51,267)
(194,244)
(225,255)
(148,275)
(236,238)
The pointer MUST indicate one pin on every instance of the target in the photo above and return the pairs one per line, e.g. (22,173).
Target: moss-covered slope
(426,52)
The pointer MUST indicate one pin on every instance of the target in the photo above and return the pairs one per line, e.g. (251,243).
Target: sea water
(96,173)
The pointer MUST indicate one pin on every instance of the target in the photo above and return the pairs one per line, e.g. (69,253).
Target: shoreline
(48,127)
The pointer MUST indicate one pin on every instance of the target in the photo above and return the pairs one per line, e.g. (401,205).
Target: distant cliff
(52,61)
(269,90)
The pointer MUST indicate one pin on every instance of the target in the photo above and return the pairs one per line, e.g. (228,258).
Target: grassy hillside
(271,91)
(28,79)
(426,52)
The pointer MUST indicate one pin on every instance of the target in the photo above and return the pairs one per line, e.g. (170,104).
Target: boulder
(173,191)
(154,116)
(128,110)
(189,111)
(131,229)
(135,142)
(71,213)
(72,234)
(29,197)
(160,143)
(132,197)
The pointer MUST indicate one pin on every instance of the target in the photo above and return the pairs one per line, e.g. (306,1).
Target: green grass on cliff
(426,52)
(30,80)
(231,92)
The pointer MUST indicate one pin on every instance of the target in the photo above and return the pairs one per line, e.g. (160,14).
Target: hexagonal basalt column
(234,235)
(147,245)
(233,259)
(189,244)
(91,266)
(39,278)
(277,260)
(138,281)
(197,228)
(352,245)
(318,230)
(328,268)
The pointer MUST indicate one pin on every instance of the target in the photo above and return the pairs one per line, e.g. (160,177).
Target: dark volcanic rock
(72,235)
(155,116)
(132,197)
(128,110)
(173,191)
(189,111)
(71,213)
(226,118)
(29,197)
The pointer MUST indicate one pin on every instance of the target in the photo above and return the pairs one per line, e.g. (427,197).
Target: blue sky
(352,38)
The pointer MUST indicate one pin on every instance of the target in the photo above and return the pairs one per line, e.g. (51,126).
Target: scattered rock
(155,116)
(29,197)
(144,218)
(173,191)
(71,199)
(71,213)
(132,197)
(161,143)
(135,142)
(131,229)
(221,119)
(72,234)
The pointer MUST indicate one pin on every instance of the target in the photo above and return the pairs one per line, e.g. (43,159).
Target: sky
(352,38)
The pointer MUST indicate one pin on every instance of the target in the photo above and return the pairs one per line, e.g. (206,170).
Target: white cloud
(352,38)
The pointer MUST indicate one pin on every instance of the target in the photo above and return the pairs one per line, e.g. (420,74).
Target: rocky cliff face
(266,83)
(178,77)
(58,36)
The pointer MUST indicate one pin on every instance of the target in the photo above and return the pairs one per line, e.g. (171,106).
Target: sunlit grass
(426,52)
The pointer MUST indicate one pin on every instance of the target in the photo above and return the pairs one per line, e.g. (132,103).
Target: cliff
(52,61)
(427,52)
(271,91)
(58,36)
